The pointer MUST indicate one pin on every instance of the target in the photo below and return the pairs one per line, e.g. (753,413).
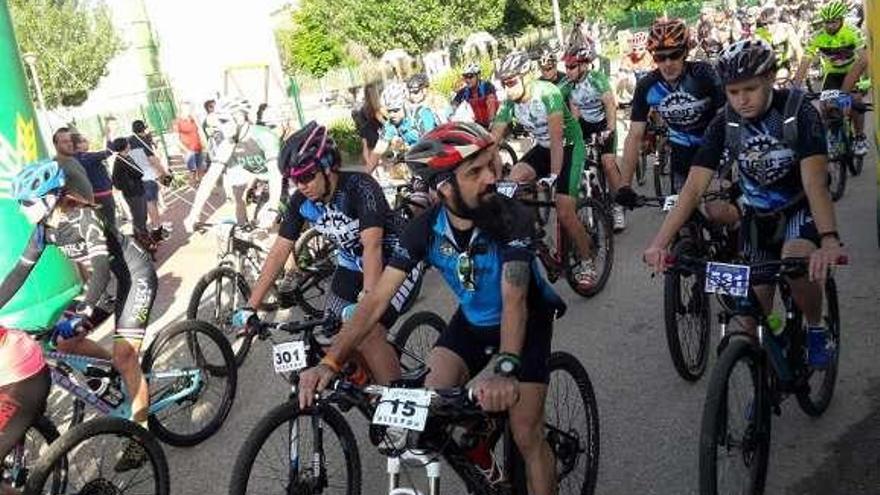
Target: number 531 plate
(403,408)
(724,278)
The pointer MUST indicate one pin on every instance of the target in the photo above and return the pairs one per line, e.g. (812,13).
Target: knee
(798,248)
(374,340)
(528,433)
(565,211)
(125,358)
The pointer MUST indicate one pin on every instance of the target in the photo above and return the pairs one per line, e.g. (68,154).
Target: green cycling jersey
(838,50)
(545,99)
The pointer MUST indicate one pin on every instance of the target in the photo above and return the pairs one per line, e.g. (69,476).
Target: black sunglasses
(663,57)
(509,83)
(469,76)
(305,178)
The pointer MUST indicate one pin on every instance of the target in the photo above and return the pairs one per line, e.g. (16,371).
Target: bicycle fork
(412,459)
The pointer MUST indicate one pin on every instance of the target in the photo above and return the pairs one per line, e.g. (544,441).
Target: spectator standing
(191,143)
(143,153)
(128,177)
(96,169)
(369,121)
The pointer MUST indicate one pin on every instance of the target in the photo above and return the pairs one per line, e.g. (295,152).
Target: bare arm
(631,147)
(554,122)
(514,289)
(803,67)
(856,71)
(371,239)
(275,184)
(275,260)
(610,103)
(492,106)
(814,174)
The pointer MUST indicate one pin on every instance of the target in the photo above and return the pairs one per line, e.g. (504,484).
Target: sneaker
(133,457)
(619,218)
(585,274)
(860,145)
(820,348)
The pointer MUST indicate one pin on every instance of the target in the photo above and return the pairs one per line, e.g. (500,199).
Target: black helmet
(745,59)
(307,149)
(514,64)
(417,82)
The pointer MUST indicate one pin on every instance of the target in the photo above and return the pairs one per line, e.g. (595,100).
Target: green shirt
(252,153)
(587,96)
(838,50)
(544,100)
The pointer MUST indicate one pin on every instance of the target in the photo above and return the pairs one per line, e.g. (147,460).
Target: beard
(489,214)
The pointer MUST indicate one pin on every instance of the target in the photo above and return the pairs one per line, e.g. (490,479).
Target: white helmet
(229,107)
(394,95)
(471,69)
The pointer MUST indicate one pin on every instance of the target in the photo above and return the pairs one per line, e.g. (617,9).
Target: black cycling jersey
(687,106)
(769,171)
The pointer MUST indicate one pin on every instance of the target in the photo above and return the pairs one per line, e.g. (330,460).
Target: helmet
(547,58)
(307,149)
(639,40)
(832,11)
(582,53)
(442,150)
(417,82)
(668,34)
(230,106)
(394,95)
(745,59)
(37,180)
(514,64)
(471,69)
(769,15)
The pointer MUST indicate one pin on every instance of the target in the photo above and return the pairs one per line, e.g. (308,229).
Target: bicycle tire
(816,407)
(661,170)
(240,342)
(229,372)
(280,416)
(508,158)
(642,169)
(698,306)
(48,433)
(856,165)
(319,264)
(315,279)
(422,319)
(561,361)
(738,349)
(597,221)
(836,178)
(60,450)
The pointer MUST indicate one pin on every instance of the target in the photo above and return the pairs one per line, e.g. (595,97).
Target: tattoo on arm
(517,273)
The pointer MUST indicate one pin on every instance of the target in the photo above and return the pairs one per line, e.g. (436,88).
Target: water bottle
(348,312)
(776,324)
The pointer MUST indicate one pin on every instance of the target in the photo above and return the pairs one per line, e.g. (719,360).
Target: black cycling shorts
(347,284)
(21,404)
(476,345)
(762,237)
(609,147)
(833,80)
(136,285)
(681,158)
(572,167)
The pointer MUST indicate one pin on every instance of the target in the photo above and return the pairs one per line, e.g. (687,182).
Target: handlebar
(296,327)
(694,265)
(447,402)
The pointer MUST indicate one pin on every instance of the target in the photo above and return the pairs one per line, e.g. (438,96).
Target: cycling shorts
(21,404)
(136,285)
(609,147)
(833,80)
(681,157)
(762,237)
(347,284)
(476,345)
(569,180)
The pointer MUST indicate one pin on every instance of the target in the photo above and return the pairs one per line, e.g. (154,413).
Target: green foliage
(309,46)
(344,132)
(73,42)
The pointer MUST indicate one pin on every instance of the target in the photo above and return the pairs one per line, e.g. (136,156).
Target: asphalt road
(649,417)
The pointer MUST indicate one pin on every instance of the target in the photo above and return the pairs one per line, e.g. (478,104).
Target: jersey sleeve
(389,132)
(813,45)
(269,142)
(811,133)
(552,99)
(600,81)
(370,205)
(640,108)
(429,119)
(292,223)
(710,153)
(504,114)
(413,242)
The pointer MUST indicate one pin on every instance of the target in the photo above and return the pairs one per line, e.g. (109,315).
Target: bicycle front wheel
(597,223)
(571,423)
(277,456)
(215,298)
(95,455)
(416,337)
(662,174)
(642,169)
(20,463)
(735,430)
(815,397)
(686,312)
(836,178)
(193,380)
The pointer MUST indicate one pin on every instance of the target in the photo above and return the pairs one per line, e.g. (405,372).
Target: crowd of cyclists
(731,92)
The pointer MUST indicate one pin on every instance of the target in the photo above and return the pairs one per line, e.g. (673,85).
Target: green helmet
(832,11)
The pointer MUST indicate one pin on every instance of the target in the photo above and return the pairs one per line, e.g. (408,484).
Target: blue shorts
(195,161)
(151,191)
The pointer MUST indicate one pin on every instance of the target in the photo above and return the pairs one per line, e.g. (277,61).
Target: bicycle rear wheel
(277,456)
(20,462)
(91,452)
(316,259)
(686,312)
(735,430)
(194,377)
(642,169)
(597,223)
(662,173)
(836,177)
(816,396)
(571,422)
(215,298)
(416,337)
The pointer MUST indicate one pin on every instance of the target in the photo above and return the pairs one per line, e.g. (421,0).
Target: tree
(73,45)
(309,45)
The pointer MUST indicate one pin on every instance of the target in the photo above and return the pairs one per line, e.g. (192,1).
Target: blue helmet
(37,180)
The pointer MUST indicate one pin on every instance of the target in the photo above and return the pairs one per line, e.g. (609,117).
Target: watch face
(506,366)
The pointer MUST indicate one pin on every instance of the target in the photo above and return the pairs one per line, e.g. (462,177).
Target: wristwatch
(507,365)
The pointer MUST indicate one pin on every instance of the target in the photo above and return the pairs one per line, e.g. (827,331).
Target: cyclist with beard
(777,142)
(549,67)
(479,242)
(838,44)
(558,155)
(349,209)
(685,94)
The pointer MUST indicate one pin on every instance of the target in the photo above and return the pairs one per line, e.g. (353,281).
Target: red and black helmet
(668,34)
(442,150)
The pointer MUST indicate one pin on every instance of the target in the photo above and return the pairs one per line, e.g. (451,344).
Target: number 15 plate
(403,408)
(724,278)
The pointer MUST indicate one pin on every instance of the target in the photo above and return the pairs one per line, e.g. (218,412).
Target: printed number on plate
(506,188)
(289,356)
(724,278)
(403,408)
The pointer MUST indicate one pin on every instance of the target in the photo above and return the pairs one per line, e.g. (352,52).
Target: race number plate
(724,278)
(289,356)
(403,408)
(669,202)
(506,188)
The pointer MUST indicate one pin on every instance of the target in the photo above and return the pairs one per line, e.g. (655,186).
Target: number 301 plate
(724,278)
(403,408)
(289,356)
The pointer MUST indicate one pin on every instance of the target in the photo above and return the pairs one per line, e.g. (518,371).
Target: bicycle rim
(816,397)
(597,223)
(416,337)
(686,311)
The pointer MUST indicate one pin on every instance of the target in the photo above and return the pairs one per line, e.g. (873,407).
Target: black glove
(626,197)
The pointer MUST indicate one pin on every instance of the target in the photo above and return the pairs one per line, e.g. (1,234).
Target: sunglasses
(415,91)
(571,66)
(469,76)
(510,83)
(663,57)
(548,68)
(466,272)
(305,178)
(395,110)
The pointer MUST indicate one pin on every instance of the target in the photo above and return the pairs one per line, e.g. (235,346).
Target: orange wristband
(331,363)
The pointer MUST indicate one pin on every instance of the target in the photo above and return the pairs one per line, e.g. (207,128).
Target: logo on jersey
(533,117)
(340,229)
(765,159)
(682,109)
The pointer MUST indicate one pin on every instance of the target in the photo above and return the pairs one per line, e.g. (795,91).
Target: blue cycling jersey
(424,119)
(405,130)
(430,238)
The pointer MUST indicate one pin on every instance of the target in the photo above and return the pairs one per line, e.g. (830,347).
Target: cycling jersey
(424,119)
(544,99)
(405,130)
(248,156)
(587,94)
(768,168)
(561,82)
(357,204)
(479,100)
(838,50)
(24,387)
(686,106)
(431,238)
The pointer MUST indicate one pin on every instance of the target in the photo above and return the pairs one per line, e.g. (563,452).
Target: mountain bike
(836,107)
(757,370)
(290,449)
(656,142)
(18,465)
(554,249)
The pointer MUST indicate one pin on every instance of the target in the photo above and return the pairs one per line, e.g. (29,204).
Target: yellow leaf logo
(26,138)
